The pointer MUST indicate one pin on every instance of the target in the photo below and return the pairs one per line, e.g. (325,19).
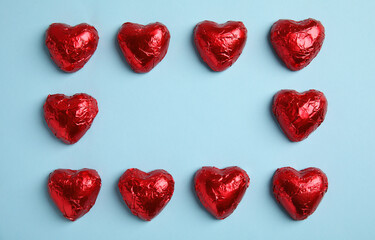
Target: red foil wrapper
(221,190)
(71,47)
(299,192)
(143,46)
(146,194)
(74,191)
(299,114)
(69,118)
(220,45)
(297,43)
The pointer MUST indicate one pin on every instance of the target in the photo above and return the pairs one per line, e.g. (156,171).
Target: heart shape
(69,118)
(71,47)
(299,192)
(146,194)
(299,114)
(220,45)
(143,46)
(221,190)
(297,43)
(74,191)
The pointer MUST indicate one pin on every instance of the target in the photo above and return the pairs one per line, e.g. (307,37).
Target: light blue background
(182,116)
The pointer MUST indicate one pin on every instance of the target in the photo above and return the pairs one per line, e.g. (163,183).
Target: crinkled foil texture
(299,114)
(297,43)
(69,118)
(221,190)
(143,46)
(146,194)
(74,191)
(220,45)
(71,47)
(299,192)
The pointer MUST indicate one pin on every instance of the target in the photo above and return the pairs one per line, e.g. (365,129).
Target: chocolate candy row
(219,190)
(219,45)
(298,114)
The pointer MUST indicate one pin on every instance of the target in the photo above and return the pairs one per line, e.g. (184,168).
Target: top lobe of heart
(220,45)
(297,43)
(299,114)
(143,46)
(69,118)
(74,191)
(299,192)
(71,47)
(146,194)
(221,190)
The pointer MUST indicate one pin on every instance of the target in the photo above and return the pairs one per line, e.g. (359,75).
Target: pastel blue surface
(182,116)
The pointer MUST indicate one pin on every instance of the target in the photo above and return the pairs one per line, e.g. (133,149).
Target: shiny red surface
(146,194)
(143,46)
(299,192)
(71,47)
(69,118)
(220,45)
(299,114)
(297,43)
(74,191)
(221,190)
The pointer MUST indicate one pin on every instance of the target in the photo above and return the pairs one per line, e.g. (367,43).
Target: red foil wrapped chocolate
(221,190)
(297,43)
(299,114)
(74,191)
(299,192)
(220,45)
(143,46)
(69,118)
(146,194)
(71,47)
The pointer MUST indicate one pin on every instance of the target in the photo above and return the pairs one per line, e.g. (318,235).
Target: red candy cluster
(219,190)
(219,45)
